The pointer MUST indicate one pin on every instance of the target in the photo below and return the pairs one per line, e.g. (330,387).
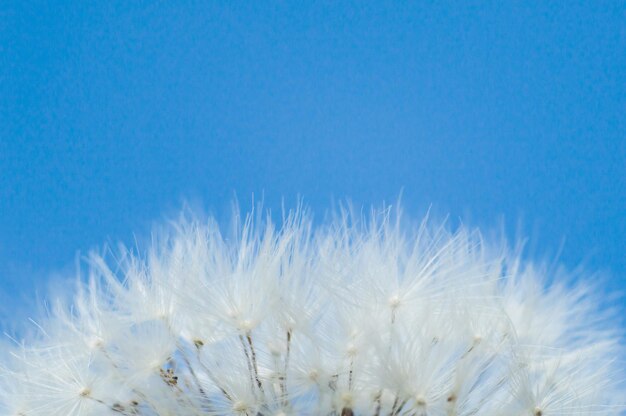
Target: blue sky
(113,113)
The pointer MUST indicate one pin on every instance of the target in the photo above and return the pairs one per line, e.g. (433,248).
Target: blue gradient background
(113,113)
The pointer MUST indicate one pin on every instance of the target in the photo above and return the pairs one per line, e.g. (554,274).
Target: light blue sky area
(113,113)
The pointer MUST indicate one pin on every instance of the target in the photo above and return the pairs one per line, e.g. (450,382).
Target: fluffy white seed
(356,317)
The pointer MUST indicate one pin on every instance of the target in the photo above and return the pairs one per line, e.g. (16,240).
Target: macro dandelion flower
(355,317)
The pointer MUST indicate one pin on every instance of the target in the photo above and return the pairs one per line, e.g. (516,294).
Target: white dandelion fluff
(355,317)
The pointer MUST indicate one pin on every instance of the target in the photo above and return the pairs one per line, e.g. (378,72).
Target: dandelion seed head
(361,316)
